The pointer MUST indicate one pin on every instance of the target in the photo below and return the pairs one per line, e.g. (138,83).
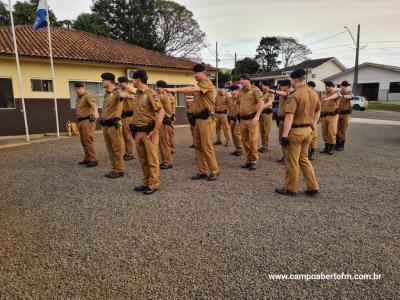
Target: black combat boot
(331,149)
(311,154)
(340,147)
(325,149)
(337,145)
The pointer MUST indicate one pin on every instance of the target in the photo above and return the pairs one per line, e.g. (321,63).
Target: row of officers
(146,117)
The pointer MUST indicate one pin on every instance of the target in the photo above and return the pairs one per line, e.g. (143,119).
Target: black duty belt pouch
(232,118)
(127,113)
(167,121)
(267,111)
(204,114)
(248,117)
(135,129)
(110,122)
(191,119)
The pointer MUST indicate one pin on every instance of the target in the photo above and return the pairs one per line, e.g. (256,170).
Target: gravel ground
(68,232)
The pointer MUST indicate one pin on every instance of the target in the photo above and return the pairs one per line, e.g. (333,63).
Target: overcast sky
(239,25)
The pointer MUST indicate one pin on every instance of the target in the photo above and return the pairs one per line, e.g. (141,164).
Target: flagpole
(52,68)
(18,70)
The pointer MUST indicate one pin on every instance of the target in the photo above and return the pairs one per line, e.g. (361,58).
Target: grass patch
(383,106)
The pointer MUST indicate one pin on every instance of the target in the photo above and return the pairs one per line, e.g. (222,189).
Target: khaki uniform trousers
(249,133)
(127,135)
(235,131)
(113,140)
(297,158)
(148,157)
(204,148)
(87,132)
(221,122)
(172,137)
(166,132)
(343,126)
(329,128)
(281,126)
(192,132)
(265,129)
(314,139)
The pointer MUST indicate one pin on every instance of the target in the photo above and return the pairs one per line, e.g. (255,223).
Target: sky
(239,25)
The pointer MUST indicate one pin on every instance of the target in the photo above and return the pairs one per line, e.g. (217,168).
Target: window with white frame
(41,85)
(6,93)
(93,87)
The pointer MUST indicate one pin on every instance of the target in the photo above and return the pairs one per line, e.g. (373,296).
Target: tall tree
(268,53)
(25,13)
(90,23)
(292,51)
(246,65)
(4,15)
(130,21)
(178,32)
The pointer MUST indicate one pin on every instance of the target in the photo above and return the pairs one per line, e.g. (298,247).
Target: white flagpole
(52,68)
(18,69)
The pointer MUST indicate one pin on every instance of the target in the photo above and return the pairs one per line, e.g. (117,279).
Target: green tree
(90,23)
(224,77)
(4,15)
(130,21)
(267,53)
(178,32)
(25,13)
(246,65)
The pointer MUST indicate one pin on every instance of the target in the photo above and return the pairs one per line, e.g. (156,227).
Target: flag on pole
(41,16)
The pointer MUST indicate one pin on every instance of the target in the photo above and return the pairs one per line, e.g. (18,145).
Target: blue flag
(41,16)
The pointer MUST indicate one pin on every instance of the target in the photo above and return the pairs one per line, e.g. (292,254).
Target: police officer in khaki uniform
(166,127)
(189,114)
(112,125)
(221,120)
(234,121)
(128,96)
(204,104)
(250,105)
(146,123)
(266,117)
(329,117)
(87,114)
(314,141)
(344,115)
(283,92)
(173,111)
(301,115)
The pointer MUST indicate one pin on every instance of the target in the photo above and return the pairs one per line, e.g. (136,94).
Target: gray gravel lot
(68,232)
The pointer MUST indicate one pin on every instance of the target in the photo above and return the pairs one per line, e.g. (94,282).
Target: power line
(327,38)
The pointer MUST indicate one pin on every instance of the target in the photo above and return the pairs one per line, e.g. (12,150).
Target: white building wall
(323,71)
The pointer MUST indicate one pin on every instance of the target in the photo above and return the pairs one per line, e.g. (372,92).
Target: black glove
(285,142)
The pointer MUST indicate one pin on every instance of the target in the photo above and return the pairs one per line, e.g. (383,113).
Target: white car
(359,103)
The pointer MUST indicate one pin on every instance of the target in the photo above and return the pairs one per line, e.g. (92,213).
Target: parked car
(359,103)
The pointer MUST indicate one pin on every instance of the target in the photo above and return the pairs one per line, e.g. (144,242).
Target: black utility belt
(232,118)
(279,118)
(204,115)
(248,117)
(222,112)
(147,128)
(92,118)
(267,111)
(345,112)
(110,122)
(127,113)
(167,120)
(300,125)
(332,113)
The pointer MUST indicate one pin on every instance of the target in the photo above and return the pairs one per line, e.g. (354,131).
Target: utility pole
(235,59)
(216,64)
(355,84)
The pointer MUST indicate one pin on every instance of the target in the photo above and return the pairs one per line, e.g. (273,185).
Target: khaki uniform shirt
(303,103)
(112,107)
(189,106)
(173,104)
(331,105)
(344,104)
(128,103)
(282,105)
(166,103)
(146,105)
(83,105)
(232,106)
(205,98)
(221,102)
(248,100)
(268,97)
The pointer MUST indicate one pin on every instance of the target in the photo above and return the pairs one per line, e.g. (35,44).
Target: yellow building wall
(73,71)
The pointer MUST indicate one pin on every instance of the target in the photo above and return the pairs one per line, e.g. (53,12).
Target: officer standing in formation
(112,125)
(234,122)
(146,123)
(266,117)
(221,120)
(204,104)
(314,141)
(173,113)
(302,112)
(87,114)
(344,115)
(166,127)
(329,117)
(128,96)
(190,116)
